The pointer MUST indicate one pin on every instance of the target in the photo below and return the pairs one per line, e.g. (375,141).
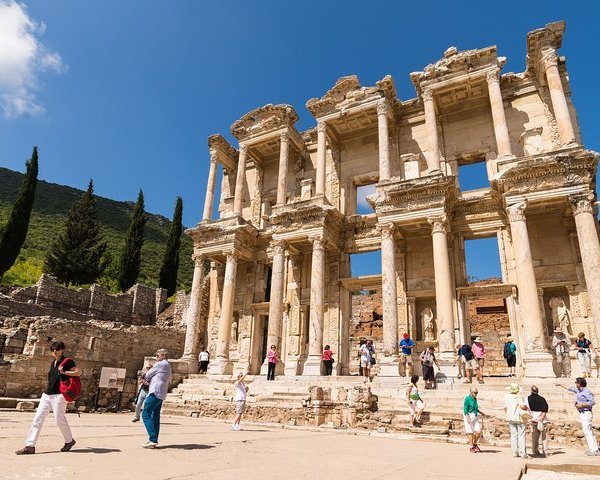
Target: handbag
(373,361)
(71,387)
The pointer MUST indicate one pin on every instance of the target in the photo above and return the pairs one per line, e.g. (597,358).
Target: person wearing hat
(517,417)
(479,353)
(406,346)
(562,345)
(584,354)
(510,354)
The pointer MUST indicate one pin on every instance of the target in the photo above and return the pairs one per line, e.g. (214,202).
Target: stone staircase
(347,402)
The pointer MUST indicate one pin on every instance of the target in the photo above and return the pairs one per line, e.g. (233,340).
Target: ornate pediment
(540,43)
(265,119)
(348,92)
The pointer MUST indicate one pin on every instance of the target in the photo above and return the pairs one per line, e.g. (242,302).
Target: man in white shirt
(241,390)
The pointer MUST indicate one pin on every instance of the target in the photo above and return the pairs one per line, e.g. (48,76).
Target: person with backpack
(510,354)
(469,360)
(55,398)
(584,354)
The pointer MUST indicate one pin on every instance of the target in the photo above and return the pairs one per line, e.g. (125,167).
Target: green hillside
(52,202)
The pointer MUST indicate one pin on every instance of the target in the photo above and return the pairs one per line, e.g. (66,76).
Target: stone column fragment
(317,301)
(210,187)
(283,167)
(433,149)
(498,115)
(559,101)
(587,235)
(238,200)
(321,151)
(384,142)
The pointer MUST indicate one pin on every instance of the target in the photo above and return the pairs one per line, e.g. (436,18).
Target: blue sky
(127,91)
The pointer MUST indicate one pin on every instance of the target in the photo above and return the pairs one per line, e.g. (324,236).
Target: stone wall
(140,305)
(93,344)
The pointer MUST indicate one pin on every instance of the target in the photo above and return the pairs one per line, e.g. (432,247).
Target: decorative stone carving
(428,325)
(582,204)
(516,213)
(549,59)
(263,120)
(382,107)
(561,317)
(439,223)
(493,76)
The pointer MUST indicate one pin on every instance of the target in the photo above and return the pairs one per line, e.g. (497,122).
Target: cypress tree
(14,230)
(77,255)
(170,265)
(131,255)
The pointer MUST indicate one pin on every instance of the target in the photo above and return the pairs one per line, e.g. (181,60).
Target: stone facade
(279,252)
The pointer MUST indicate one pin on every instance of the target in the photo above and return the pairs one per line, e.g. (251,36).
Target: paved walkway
(108,447)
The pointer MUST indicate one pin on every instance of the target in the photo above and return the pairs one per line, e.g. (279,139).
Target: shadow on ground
(186,446)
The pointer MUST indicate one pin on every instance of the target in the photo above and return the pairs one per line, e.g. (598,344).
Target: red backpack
(71,387)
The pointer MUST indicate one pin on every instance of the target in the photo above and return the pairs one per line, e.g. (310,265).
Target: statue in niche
(428,324)
(234,332)
(561,317)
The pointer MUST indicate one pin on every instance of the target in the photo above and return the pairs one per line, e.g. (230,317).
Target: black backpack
(506,353)
(467,352)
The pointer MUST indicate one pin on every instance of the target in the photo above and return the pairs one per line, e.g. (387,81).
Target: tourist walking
(479,353)
(272,359)
(203,361)
(406,347)
(471,365)
(472,419)
(328,360)
(584,354)
(427,361)
(361,342)
(158,376)
(141,395)
(584,402)
(367,359)
(53,400)
(510,354)
(562,345)
(415,402)
(241,391)
(517,417)
(538,407)
(459,361)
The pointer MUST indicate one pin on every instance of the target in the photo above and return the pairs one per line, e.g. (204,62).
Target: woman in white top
(240,400)
(415,402)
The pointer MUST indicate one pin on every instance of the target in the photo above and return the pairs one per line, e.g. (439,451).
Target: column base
(220,366)
(313,366)
(192,363)
(447,369)
(279,369)
(538,364)
(389,367)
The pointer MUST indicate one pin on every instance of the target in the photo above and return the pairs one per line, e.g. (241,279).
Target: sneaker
(589,453)
(135,419)
(68,446)
(149,444)
(235,428)
(472,450)
(28,450)
(477,449)
(524,456)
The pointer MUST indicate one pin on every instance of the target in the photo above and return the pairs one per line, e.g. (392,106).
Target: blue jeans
(151,416)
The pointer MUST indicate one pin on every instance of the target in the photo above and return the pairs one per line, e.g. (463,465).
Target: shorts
(414,406)
(480,361)
(472,424)
(472,364)
(511,360)
(365,364)
(404,358)
(240,406)
(428,373)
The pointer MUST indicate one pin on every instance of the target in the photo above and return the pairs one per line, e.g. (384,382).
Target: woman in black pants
(273,358)
(328,360)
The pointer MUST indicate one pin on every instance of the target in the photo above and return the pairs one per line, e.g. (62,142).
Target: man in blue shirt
(584,402)
(406,346)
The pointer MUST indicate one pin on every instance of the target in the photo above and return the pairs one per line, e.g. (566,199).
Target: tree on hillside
(77,254)
(14,230)
(131,256)
(170,265)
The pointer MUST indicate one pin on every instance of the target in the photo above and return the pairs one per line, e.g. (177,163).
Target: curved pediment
(263,120)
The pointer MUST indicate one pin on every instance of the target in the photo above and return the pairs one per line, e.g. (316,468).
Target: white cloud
(22,59)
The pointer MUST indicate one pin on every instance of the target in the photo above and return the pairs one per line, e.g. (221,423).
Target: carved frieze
(264,120)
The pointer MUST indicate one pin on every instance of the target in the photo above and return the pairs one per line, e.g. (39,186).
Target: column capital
(278,246)
(516,212)
(382,107)
(321,126)
(318,242)
(549,59)
(284,136)
(214,155)
(427,95)
(583,203)
(198,259)
(231,255)
(493,76)
(439,223)
(243,149)
(387,230)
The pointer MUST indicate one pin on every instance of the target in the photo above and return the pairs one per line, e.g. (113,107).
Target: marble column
(443,284)
(557,95)
(240,178)
(191,347)
(283,167)
(276,301)
(321,151)
(433,148)
(538,361)
(384,141)
(389,363)
(210,187)
(317,301)
(221,365)
(498,115)
(589,246)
